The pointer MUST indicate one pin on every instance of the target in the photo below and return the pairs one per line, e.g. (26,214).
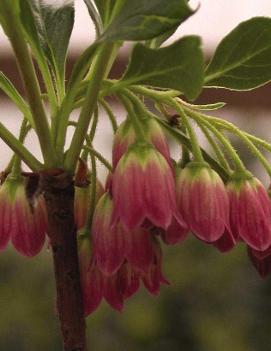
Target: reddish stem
(59,198)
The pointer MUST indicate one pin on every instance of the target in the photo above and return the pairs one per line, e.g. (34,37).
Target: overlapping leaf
(48,28)
(146,19)
(242,60)
(178,66)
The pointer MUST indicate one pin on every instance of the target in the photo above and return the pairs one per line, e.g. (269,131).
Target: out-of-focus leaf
(146,19)
(95,16)
(9,89)
(242,60)
(105,8)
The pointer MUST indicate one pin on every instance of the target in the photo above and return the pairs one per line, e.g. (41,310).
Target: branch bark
(59,199)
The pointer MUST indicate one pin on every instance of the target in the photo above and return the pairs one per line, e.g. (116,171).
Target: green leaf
(48,29)
(82,65)
(105,8)
(9,89)
(146,19)
(178,66)
(242,60)
(7,11)
(208,107)
(94,16)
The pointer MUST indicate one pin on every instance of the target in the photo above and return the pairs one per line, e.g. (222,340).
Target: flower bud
(202,201)
(143,188)
(250,211)
(25,218)
(125,137)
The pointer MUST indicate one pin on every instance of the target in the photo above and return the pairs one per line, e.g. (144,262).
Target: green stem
(98,70)
(110,114)
(94,124)
(16,168)
(253,149)
(133,117)
(183,139)
(193,139)
(92,202)
(232,152)
(219,154)
(67,105)
(32,89)
(99,157)
(19,149)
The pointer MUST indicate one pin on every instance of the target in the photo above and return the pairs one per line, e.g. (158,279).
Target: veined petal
(92,289)
(203,202)
(127,188)
(226,242)
(113,293)
(108,239)
(249,217)
(139,249)
(176,232)
(159,191)
(28,233)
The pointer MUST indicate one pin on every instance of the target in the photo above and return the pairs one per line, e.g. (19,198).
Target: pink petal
(226,242)
(92,289)
(28,230)
(263,266)
(176,232)
(108,239)
(139,249)
(128,196)
(129,280)
(159,193)
(249,219)
(113,293)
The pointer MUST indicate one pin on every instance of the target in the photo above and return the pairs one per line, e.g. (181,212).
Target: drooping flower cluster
(146,198)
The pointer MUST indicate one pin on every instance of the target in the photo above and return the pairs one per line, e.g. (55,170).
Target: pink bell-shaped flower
(125,137)
(108,239)
(202,201)
(91,277)
(82,198)
(112,244)
(29,221)
(226,242)
(176,232)
(143,188)
(83,193)
(250,211)
(154,278)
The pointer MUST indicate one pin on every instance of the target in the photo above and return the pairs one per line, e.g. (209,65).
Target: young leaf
(58,22)
(178,66)
(14,95)
(105,8)
(146,19)
(48,27)
(94,16)
(5,11)
(242,60)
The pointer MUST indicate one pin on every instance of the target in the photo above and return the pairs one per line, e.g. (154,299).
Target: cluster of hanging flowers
(148,199)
